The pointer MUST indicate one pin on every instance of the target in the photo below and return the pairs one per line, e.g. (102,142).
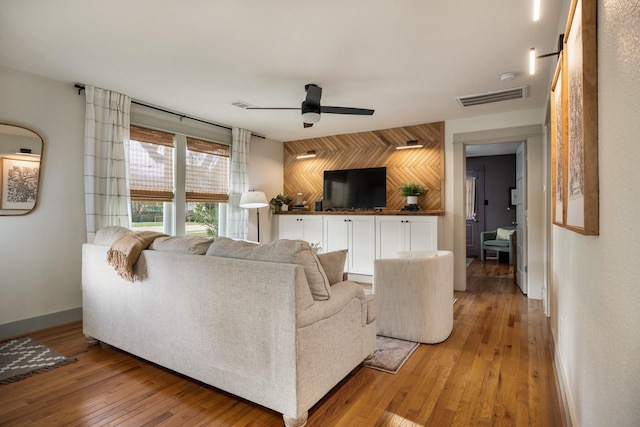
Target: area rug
(469,261)
(390,354)
(22,357)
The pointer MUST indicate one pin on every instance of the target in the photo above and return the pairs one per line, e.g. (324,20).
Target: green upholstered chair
(500,240)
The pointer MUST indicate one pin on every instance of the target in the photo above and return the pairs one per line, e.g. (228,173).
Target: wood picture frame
(581,188)
(19,183)
(558,110)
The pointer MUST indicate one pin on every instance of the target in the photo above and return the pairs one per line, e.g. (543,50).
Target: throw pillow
(184,244)
(503,234)
(107,235)
(333,265)
(286,251)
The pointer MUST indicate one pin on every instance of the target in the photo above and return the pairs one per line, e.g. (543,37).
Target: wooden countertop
(361,212)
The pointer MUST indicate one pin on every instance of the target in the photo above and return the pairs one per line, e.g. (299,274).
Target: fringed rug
(390,354)
(22,357)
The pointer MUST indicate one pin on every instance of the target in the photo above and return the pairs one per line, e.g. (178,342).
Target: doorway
(496,165)
(533,263)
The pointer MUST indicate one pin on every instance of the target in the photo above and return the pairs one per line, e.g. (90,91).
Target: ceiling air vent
(489,97)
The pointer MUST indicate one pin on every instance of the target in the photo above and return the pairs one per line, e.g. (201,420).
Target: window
(170,171)
(207,170)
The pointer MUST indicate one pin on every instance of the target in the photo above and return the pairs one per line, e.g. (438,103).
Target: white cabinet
(396,233)
(300,227)
(366,237)
(356,233)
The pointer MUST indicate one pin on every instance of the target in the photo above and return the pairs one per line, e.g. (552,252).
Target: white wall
(40,252)
(265,174)
(595,294)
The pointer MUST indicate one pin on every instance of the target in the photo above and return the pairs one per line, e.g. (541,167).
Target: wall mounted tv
(355,188)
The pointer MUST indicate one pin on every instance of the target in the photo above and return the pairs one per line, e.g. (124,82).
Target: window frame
(174,217)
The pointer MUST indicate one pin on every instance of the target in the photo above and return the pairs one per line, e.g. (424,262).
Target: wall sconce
(310,154)
(410,144)
(533,57)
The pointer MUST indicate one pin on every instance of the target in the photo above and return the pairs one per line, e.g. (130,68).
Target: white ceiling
(407,59)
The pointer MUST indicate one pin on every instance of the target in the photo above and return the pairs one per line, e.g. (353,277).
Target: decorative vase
(284,207)
(412,200)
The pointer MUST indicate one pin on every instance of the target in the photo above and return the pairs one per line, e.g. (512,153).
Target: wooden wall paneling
(372,149)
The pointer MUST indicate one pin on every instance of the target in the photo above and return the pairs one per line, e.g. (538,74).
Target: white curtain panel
(106,155)
(471,198)
(237,217)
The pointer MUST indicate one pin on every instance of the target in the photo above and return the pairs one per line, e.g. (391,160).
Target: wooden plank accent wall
(372,149)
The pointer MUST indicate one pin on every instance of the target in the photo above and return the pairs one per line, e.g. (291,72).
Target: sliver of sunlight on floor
(395,420)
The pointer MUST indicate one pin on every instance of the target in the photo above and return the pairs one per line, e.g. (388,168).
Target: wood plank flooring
(494,370)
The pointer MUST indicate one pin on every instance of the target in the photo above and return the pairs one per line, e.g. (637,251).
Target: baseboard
(360,278)
(562,385)
(22,327)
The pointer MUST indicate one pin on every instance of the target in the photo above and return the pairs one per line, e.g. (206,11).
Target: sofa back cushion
(286,251)
(185,244)
(107,235)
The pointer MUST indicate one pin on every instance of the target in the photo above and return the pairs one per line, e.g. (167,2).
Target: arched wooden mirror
(20,161)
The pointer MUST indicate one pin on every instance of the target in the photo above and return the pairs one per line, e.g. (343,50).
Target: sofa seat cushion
(285,251)
(183,244)
(502,243)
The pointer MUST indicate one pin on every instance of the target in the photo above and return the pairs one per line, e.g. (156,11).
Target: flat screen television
(355,188)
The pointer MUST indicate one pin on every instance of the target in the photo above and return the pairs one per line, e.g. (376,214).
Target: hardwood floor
(495,369)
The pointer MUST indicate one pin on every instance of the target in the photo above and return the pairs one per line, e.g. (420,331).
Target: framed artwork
(558,139)
(581,166)
(513,197)
(19,183)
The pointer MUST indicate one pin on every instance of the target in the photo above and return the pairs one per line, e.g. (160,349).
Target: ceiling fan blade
(314,92)
(272,108)
(346,110)
(307,125)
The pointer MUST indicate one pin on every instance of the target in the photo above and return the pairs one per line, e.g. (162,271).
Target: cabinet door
(361,244)
(311,228)
(336,233)
(289,227)
(389,236)
(421,233)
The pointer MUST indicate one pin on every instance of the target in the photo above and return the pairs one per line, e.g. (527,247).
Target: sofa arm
(341,294)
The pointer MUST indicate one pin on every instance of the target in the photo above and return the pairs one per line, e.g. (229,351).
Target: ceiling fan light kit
(310,117)
(311,108)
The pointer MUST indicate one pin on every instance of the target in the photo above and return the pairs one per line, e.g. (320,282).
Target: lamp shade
(253,199)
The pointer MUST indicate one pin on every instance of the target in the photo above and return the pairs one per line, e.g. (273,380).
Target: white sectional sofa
(250,327)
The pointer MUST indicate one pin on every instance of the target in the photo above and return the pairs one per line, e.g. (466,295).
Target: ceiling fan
(311,107)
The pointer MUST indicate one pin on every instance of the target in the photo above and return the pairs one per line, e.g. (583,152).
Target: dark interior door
(475,223)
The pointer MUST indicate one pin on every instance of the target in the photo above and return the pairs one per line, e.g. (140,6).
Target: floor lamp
(254,199)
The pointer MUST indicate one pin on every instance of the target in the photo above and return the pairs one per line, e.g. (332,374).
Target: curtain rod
(80,88)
